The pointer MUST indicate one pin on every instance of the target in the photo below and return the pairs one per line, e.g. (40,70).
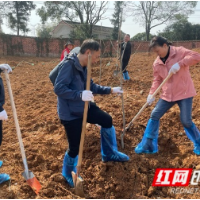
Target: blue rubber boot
(109,150)
(4,178)
(127,76)
(69,165)
(1,163)
(124,75)
(149,143)
(194,135)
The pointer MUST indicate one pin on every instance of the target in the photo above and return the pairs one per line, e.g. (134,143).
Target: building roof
(96,27)
(103,27)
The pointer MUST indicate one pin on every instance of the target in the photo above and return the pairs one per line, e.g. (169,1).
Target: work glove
(6,67)
(175,68)
(150,99)
(117,90)
(3,115)
(87,95)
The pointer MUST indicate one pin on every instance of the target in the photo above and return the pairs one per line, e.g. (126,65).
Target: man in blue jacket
(70,87)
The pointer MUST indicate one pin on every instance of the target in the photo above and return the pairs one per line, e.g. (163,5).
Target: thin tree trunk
(17,13)
(0,25)
(90,31)
(148,32)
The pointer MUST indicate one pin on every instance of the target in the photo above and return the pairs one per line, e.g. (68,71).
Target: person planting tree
(179,89)
(70,87)
(3,114)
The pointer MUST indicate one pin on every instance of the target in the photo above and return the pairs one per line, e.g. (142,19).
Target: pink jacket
(180,85)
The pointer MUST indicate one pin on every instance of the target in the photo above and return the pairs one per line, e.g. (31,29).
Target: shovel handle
(80,155)
(160,86)
(146,104)
(16,123)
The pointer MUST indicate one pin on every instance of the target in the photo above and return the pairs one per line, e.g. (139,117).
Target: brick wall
(33,46)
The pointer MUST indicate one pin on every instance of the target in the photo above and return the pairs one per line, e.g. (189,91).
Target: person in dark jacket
(3,114)
(70,87)
(127,53)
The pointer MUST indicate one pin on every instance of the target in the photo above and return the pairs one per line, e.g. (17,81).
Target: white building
(63,29)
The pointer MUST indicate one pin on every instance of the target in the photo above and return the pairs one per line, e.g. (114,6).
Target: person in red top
(68,47)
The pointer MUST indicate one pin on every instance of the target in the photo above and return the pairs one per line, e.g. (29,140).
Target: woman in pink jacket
(179,89)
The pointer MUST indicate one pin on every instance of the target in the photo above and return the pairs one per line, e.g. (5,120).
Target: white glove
(6,67)
(3,115)
(175,68)
(87,95)
(117,90)
(150,99)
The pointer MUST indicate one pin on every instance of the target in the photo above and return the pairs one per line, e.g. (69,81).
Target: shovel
(28,175)
(116,72)
(78,182)
(143,107)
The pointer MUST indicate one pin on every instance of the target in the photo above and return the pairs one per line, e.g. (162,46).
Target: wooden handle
(146,104)
(160,86)
(80,155)
(16,123)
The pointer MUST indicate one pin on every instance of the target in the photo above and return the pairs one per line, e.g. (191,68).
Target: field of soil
(45,140)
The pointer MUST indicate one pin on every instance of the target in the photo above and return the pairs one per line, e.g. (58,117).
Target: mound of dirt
(45,140)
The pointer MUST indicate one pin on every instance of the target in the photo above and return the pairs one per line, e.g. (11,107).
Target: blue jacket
(69,84)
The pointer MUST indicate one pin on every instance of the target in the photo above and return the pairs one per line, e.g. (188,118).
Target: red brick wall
(32,46)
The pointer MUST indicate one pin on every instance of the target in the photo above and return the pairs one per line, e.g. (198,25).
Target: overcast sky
(129,26)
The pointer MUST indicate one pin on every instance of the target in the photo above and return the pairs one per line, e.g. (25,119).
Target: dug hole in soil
(45,140)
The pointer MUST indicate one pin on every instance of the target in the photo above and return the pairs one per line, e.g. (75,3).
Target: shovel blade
(78,185)
(32,181)
(116,72)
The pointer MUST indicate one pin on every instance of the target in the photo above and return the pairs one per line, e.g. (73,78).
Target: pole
(100,57)
(121,85)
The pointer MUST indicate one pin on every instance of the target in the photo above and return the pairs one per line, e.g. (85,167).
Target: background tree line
(180,30)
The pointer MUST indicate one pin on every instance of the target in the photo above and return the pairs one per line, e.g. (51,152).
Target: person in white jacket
(3,114)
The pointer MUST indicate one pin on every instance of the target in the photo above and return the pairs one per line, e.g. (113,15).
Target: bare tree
(154,13)
(87,13)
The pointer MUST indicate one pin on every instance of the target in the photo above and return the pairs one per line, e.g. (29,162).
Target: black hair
(89,44)
(128,35)
(158,41)
(68,43)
